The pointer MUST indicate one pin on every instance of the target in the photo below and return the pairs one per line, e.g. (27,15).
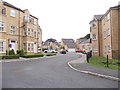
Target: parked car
(63,51)
(50,51)
(80,51)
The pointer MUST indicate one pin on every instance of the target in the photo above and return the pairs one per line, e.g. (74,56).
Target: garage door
(71,50)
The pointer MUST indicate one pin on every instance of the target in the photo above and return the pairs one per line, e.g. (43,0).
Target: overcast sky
(64,18)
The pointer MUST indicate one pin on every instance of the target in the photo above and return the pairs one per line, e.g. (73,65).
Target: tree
(51,40)
(86,37)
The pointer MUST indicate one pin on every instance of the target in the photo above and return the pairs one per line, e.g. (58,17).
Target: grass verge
(101,62)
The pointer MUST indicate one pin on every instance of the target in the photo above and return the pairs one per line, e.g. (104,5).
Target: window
(108,16)
(1,26)
(109,32)
(35,21)
(94,49)
(32,32)
(12,29)
(24,47)
(94,37)
(32,47)
(109,48)
(4,11)
(104,34)
(12,13)
(29,47)
(26,19)
(35,34)
(24,32)
(105,49)
(1,46)
(28,31)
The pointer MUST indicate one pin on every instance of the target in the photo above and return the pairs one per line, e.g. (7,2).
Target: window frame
(13,13)
(2,46)
(2,25)
(94,37)
(12,30)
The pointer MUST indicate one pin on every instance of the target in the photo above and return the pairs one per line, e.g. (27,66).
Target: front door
(13,46)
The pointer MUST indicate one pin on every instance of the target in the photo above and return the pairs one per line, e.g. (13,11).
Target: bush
(20,52)
(32,56)
(10,52)
(51,54)
(9,57)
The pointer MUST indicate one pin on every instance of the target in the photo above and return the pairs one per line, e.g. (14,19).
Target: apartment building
(111,32)
(106,34)
(18,29)
(96,35)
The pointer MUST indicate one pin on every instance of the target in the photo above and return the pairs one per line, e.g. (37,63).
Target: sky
(64,18)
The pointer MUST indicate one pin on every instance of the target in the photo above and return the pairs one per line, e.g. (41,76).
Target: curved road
(51,72)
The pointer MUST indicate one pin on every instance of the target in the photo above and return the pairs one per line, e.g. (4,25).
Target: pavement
(80,65)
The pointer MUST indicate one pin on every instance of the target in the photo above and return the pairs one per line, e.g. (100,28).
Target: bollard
(107,62)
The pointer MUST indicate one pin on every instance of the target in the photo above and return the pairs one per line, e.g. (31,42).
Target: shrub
(10,52)
(20,52)
(32,56)
(51,54)
(9,57)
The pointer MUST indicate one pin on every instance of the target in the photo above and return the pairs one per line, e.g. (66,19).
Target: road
(50,72)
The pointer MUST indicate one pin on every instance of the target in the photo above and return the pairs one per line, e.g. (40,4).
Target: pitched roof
(81,40)
(12,6)
(71,45)
(68,41)
(98,17)
(86,41)
(46,43)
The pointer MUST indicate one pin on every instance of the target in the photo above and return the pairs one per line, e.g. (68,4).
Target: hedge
(9,57)
(50,54)
(32,56)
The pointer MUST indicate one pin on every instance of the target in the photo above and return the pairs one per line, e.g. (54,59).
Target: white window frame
(2,47)
(94,37)
(24,32)
(35,34)
(32,47)
(12,30)
(35,21)
(109,48)
(12,13)
(105,49)
(108,16)
(32,32)
(109,32)
(29,47)
(29,30)
(1,26)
